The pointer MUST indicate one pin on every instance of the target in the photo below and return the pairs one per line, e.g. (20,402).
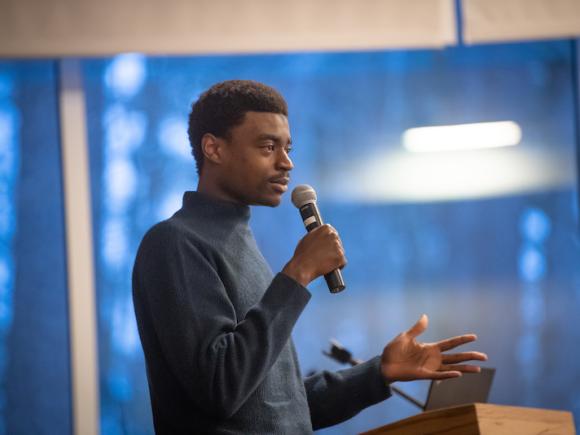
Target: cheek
(254,166)
(243,172)
(249,167)
(238,164)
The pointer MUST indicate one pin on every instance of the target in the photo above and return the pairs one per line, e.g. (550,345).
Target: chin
(271,201)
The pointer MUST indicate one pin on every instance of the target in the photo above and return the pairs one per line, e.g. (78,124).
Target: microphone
(304,198)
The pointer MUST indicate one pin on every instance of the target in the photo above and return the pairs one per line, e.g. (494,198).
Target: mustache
(280,178)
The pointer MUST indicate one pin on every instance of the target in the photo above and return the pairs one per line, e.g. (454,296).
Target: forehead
(257,123)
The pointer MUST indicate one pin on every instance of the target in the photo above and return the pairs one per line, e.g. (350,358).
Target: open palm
(406,359)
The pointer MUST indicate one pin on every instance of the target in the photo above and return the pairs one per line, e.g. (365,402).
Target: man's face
(256,166)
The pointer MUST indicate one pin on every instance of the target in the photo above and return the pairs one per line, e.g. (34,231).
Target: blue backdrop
(483,241)
(34,353)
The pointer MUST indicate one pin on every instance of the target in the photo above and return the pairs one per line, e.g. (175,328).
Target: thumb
(419,327)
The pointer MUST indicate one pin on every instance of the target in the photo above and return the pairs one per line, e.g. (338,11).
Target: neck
(209,186)
(214,210)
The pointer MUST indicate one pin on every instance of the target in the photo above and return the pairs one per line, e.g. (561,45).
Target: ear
(212,148)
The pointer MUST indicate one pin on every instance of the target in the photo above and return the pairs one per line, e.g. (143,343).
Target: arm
(334,397)
(218,359)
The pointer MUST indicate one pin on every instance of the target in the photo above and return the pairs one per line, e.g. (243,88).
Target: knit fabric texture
(215,325)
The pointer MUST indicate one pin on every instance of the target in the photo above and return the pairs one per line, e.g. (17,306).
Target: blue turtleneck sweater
(215,327)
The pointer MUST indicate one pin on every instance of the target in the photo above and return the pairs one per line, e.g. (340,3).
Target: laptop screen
(469,388)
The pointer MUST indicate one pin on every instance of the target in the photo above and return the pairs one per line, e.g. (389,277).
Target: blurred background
(473,221)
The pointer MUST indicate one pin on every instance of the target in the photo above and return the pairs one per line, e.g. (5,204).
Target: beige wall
(37,28)
(516,20)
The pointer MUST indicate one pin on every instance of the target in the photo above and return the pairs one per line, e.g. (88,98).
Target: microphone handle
(311,218)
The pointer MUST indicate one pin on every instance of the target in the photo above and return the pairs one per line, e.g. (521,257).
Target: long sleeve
(217,358)
(334,397)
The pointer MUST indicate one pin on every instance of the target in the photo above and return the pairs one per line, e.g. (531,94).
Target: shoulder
(160,237)
(170,250)
(169,237)
(163,232)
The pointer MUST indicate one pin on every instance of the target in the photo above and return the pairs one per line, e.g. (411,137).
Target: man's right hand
(318,253)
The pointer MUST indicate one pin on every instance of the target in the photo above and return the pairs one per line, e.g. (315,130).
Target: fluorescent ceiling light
(398,176)
(462,136)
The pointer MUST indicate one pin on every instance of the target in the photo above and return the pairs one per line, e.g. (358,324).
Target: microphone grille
(303,194)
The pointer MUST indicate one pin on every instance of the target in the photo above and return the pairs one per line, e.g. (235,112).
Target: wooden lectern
(482,419)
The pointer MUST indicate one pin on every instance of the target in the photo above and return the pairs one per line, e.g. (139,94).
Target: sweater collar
(219,209)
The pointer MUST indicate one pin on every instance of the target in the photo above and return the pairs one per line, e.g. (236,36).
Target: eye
(268,147)
(289,149)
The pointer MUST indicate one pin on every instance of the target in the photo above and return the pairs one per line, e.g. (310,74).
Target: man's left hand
(406,359)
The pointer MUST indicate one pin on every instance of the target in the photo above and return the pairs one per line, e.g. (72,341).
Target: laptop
(469,388)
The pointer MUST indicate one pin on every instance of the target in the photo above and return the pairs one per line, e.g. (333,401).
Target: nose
(284,161)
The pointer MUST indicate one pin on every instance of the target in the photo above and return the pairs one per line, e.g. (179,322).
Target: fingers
(324,248)
(463,368)
(318,253)
(419,327)
(332,231)
(447,371)
(327,230)
(435,375)
(453,342)
(339,249)
(463,356)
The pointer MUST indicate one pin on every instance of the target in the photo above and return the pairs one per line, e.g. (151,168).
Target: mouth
(280,184)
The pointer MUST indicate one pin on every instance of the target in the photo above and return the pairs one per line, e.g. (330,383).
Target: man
(215,324)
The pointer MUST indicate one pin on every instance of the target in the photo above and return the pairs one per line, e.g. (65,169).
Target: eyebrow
(273,137)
